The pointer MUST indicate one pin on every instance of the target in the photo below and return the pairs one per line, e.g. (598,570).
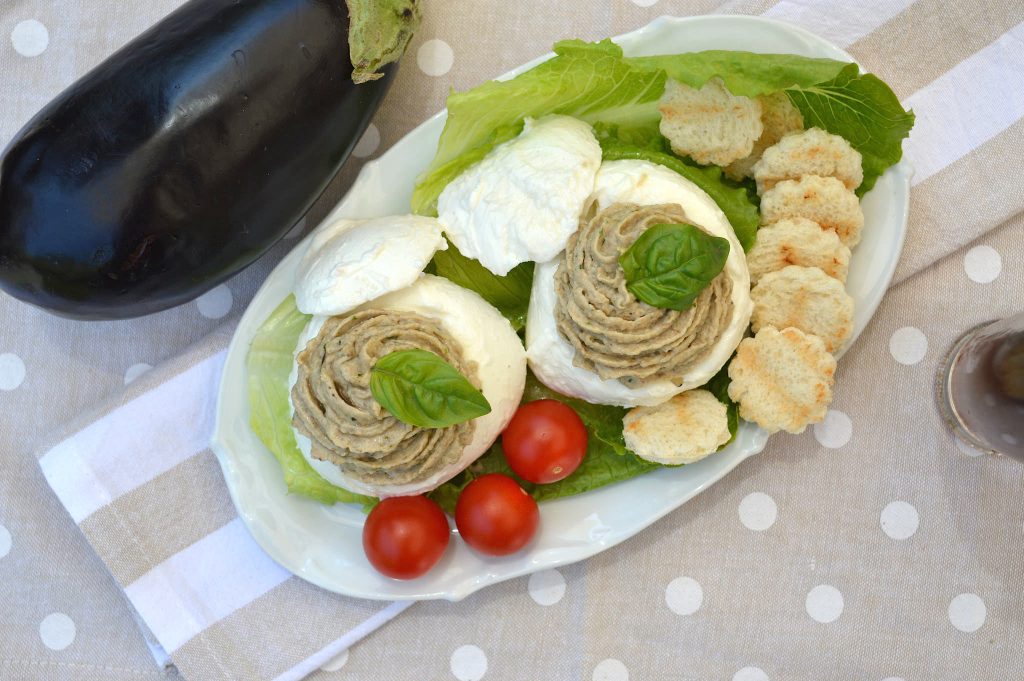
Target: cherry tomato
(545,441)
(405,536)
(495,515)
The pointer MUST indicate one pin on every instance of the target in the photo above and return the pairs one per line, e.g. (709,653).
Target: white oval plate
(323,545)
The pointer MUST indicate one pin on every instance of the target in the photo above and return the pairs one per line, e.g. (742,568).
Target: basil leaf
(719,387)
(509,294)
(735,201)
(419,388)
(669,265)
(862,109)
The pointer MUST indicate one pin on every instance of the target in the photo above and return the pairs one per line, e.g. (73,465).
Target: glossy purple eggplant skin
(180,159)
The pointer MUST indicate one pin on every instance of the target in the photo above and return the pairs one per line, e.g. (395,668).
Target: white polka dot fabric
(874,531)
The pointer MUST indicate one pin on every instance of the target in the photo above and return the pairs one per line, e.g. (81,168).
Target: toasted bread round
(778,117)
(684,429)
(811,152)
(824,200)
(710,125)
(797,241)
(805,298)
(782,380)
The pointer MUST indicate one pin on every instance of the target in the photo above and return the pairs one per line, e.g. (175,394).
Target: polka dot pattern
(12,371)
(337,663)
(750,674)
(899,520)
(468,663)
(215,303)
(435,57)
(967,612)
(758,511)
(610,670)
(5,541)
(908,345)
(30,38)
(546,587)
(136,370)
(684,596)
(824,603)
(983,264)
(835,431)
(368,143)
(57,631)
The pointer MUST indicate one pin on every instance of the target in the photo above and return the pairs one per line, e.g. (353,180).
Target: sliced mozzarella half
(486,338)
(551,356)
(350,262)
(523,200)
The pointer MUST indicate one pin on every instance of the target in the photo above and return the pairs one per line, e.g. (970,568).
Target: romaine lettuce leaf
(268,366)
(510,294)
(862,109)
(607,458)
(744,73)
(590,81)
(719,387)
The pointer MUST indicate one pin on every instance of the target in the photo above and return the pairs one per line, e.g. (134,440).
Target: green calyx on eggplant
(186,155)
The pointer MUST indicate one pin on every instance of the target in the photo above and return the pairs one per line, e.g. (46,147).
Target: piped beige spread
(613,333)
(335,409)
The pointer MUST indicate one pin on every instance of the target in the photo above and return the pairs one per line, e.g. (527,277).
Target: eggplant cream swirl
(613,333)
(335,409)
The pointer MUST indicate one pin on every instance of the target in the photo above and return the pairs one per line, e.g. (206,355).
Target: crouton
(710,125)
(684,429)
(807,299)
(824,200)
(811,152)
(797,241)
(782,380)
(778,117)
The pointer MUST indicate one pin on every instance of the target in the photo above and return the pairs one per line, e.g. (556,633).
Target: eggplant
(182,158)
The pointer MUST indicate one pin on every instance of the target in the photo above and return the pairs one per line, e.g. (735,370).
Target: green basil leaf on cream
(669,265)
(419,388)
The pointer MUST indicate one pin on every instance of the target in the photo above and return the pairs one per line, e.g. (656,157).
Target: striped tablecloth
(870,547)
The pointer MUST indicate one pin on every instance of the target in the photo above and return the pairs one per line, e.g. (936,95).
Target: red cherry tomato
(405,536)
(545,441)
(495,515)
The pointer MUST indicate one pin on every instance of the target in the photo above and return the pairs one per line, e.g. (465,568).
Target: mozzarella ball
(551,356)
(349,262)
(523,200)
(486,338)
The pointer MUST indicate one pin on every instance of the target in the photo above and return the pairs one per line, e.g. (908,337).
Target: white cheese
(523,200)
(486,338)
(349,262)
(551,356)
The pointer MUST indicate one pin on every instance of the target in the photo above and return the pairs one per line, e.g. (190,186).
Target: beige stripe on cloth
(211,598)
(930,37)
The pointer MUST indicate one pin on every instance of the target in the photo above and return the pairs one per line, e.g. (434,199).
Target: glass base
(947,407)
